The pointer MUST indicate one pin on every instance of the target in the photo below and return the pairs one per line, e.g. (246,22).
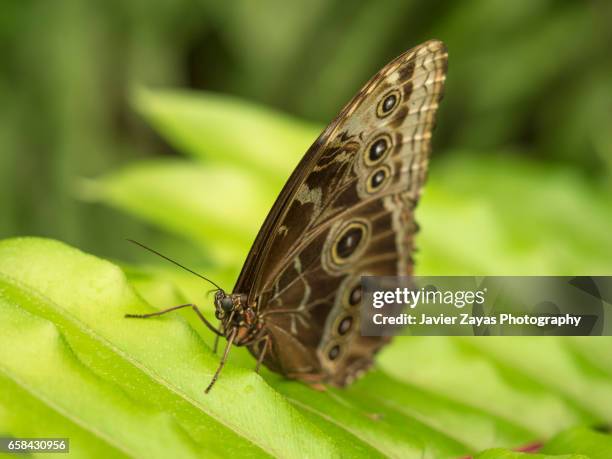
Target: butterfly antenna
(174,262)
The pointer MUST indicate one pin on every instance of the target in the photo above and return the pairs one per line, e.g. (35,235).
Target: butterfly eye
(345,325)
(378,149)
(227,304)
(388,103)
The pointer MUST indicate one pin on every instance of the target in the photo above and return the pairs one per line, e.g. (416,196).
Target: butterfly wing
(346,211)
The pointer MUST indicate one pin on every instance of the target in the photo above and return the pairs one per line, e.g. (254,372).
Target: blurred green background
(520,179)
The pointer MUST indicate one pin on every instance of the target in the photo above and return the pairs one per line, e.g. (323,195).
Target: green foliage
(139,389)
(219,128)
(595,445)
(505,454)
(583,443)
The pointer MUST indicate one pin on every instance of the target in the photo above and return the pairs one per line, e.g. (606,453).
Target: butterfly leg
(230,341)
(216,344)
(174,308)
(262,353)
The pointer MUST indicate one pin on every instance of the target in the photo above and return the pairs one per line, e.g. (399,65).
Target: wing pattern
(347,211)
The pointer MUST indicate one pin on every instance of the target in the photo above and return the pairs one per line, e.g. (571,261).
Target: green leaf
(595,445)
(577,443)
(228,130)
(505,454)
(499,215)
(69,359)
(137,380)
(204,204)
(134,387)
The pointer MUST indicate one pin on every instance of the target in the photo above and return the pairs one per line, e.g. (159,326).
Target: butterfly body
(236,315)
(346,211)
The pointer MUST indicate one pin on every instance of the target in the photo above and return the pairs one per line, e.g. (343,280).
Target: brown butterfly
(346,211)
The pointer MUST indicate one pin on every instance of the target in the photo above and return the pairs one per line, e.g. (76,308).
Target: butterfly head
(233,311)
(224,304)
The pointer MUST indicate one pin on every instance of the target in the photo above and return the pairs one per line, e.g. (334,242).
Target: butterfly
(346,211)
